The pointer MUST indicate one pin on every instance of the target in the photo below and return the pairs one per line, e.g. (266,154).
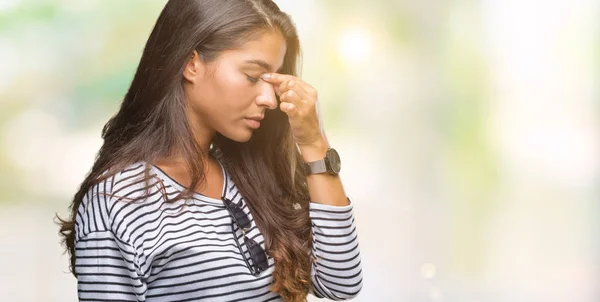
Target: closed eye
(251,79)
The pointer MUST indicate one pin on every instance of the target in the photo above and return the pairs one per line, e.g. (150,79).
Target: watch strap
(315,167)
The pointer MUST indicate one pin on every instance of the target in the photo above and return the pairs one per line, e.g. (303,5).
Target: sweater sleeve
(107,269)
(337,272)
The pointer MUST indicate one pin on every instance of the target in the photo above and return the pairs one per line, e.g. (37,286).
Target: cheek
(233,90)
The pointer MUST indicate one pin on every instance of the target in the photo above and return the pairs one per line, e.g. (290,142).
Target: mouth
(252,123)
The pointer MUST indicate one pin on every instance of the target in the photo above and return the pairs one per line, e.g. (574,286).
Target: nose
(266,97)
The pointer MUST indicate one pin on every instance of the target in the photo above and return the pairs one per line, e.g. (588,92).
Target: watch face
(334,160)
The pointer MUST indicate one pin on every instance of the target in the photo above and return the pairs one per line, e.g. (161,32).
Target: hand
(299,102)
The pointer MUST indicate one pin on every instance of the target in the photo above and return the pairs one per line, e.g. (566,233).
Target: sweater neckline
(179,187)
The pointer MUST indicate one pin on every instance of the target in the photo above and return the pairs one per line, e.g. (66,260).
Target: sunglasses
(257,253)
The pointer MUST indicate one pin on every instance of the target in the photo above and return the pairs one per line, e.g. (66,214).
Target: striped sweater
(150,250)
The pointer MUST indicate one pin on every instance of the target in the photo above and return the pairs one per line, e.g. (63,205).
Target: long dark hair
(151,123)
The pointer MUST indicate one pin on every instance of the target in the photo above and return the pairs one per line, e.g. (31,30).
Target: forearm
(323,187)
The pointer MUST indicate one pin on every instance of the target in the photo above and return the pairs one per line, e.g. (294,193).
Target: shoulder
(104,202)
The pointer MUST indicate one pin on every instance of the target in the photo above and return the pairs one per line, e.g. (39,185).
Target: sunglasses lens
(257,253)
(238,214)
(242,219)
(259,257)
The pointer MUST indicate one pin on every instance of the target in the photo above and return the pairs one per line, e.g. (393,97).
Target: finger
(276,78)
(289,97)
(294,85)
(292,97)
(290,109)
(310,91)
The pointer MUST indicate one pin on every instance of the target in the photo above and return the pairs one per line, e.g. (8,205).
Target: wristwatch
(330,164)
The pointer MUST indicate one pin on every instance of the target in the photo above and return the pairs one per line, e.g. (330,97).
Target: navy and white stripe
(130,246)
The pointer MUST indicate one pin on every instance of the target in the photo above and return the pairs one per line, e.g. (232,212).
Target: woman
(200,190)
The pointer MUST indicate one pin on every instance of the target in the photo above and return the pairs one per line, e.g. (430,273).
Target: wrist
(315,151)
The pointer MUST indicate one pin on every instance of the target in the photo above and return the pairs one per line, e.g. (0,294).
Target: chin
(240,136)
(244,139)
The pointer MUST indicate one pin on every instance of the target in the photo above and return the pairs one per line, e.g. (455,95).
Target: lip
(253,123)
(256,117)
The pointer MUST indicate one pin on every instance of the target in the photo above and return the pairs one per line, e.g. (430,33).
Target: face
(224,95)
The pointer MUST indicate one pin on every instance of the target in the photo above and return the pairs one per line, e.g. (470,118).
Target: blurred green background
(469,133)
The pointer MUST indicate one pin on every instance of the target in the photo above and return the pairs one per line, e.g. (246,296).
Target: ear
(194,68)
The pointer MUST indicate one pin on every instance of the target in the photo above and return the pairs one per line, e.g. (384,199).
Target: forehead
(268,49)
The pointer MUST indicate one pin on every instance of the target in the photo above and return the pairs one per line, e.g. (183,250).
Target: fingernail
(265,76)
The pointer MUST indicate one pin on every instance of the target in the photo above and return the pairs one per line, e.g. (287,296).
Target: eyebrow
(261,63)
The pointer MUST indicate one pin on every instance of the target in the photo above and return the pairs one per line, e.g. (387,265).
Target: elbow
(351,291)
(340,289)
